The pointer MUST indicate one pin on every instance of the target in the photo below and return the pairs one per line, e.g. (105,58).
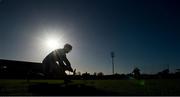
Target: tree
(136,73)
(95,74)
(78,73)
(86,75)
(100,74)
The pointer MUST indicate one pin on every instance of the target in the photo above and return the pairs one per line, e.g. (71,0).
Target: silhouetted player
(56,63)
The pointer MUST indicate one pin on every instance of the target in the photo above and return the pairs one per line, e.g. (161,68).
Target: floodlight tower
(112,56)
(168,66)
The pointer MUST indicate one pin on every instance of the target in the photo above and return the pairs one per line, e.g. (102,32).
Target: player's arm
(66,61)
(68,64)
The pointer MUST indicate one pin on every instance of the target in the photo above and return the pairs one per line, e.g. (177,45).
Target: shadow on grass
(45,89)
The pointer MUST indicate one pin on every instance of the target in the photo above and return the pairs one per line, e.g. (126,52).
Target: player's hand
(70,68)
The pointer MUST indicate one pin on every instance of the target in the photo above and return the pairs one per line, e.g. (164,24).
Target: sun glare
(53,43)
(51,38)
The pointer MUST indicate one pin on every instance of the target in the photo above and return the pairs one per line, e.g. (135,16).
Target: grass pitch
(154,87)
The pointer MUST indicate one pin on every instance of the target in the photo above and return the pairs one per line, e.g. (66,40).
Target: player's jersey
(56,55)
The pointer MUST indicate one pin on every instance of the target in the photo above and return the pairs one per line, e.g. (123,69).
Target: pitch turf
(90,87)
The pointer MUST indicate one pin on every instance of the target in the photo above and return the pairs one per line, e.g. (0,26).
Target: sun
(53,43)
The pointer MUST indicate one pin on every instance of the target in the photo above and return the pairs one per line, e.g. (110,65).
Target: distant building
(177,71)
(18,69)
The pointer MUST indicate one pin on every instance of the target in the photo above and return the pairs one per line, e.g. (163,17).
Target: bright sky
(142,33)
